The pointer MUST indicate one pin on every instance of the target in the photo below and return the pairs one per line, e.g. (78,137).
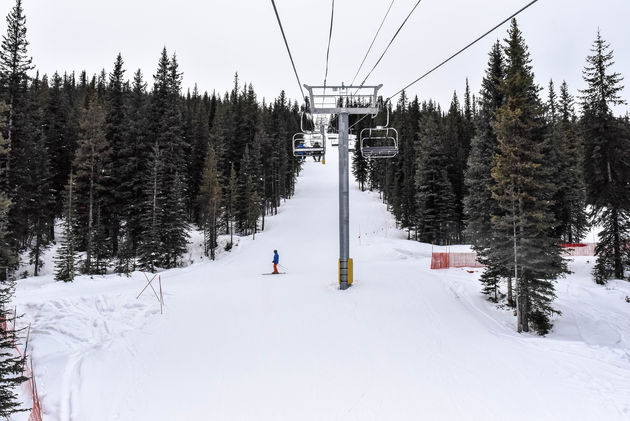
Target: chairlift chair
(308,143)
(379,141)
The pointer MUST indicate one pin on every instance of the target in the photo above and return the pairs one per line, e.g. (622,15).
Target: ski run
(403,343)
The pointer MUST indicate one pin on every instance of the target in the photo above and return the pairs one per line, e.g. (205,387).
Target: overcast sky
(214,39)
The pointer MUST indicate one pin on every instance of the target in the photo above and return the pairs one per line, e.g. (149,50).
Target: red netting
(31,386)
(579,249)
(445,260)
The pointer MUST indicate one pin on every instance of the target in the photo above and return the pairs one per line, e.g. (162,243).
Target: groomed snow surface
(404,343)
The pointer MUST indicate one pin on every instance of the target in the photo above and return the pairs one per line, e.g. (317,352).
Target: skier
(276,260)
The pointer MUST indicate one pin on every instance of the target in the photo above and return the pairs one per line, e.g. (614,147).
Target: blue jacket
(276,258)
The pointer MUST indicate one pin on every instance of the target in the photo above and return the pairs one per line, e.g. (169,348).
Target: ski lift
(379,141)
(309,143)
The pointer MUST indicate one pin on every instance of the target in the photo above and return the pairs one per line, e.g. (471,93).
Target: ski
(279,273)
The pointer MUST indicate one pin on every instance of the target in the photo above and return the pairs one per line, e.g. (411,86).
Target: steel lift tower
(343,101)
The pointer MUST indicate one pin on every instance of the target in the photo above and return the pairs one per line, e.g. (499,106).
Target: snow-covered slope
(404,343)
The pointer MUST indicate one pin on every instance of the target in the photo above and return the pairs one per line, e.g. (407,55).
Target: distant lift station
(378,142)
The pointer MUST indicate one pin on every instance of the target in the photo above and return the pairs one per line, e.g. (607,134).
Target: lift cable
(288,49)
(372,44)
(332,16)
(462,50)
(390,43)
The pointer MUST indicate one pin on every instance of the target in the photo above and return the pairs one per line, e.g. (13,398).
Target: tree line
(514,174)
(128,169)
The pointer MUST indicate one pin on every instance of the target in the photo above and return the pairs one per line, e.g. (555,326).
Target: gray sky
(213,39)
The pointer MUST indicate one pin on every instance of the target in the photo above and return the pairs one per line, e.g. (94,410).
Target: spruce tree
(230,199)
(133,165)
(570,198)
(14,65)
(91,178)
(116,130)
(7,257)
(359,167)
(523,192)
(210,203)
(66,259)
(606,164)
(39,193)
(479,205)
(457,147)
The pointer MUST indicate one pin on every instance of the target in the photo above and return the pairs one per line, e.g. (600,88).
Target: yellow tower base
(350,271)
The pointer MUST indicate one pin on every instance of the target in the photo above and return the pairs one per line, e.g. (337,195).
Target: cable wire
(288,49)
(332,16)
(463,49)
(370,47)
(390,43)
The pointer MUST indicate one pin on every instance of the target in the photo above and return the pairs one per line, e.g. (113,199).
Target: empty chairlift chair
(379,141)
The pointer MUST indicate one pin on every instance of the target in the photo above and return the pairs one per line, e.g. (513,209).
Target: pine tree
(133,166)
(149,242)
(92,172)
(479,205)
(14,65)
(523,192)
(436,201)
(230,198)
(210,203)
(116,134)
(66,259)
(570,196)
(7,258)
(39,193)
(457,147)
(606,167)
(359,168)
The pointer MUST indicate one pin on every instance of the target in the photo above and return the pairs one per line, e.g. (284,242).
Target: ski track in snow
(404,343)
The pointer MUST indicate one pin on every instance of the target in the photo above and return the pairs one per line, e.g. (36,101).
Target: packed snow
(403,343)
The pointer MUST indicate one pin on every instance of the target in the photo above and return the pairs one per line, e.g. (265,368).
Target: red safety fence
(30,385)
(440,260)
(445,260)
(579,249)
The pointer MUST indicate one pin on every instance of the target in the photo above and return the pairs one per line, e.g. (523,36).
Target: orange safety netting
(36,412)
(445,260)
(579,249)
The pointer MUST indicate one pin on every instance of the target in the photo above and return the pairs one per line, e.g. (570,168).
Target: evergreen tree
(570,196)
(479,205)
(92,172)
(457,147)
(436,200)
(210,203)
(66,259)
(359,167)
(231,196)
(39,193)
(14,65)
(523,192)
(115,199)
(7,258)
(133,169)
(607,165)
(149,243)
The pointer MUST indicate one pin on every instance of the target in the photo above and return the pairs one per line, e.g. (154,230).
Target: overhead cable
(332,16)
(390,43)
(463,49)
(374,39)
(288,49)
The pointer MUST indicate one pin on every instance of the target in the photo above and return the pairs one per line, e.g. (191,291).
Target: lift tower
(343,101)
